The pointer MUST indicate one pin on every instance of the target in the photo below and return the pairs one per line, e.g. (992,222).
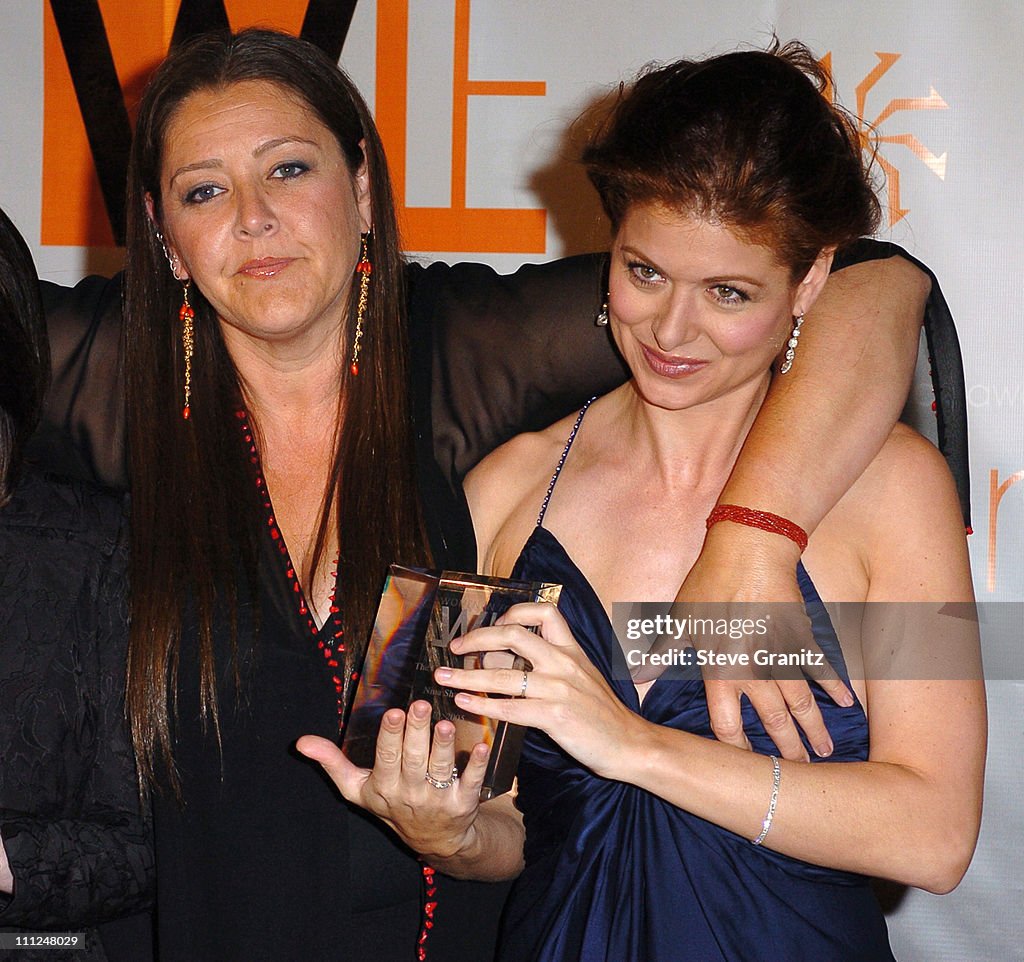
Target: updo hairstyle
(747,140)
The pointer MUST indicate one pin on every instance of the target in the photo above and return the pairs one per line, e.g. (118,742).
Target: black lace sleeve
(82,433)
(493,355)
(512,353)
(76,837)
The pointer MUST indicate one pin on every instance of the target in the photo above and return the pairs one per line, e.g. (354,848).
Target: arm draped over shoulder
(493,355)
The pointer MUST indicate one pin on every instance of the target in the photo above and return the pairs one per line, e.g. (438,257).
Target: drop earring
(794,339)
(185,315)
(364,269)
(601,320)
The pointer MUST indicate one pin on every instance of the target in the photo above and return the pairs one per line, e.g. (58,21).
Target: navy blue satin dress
(616,874)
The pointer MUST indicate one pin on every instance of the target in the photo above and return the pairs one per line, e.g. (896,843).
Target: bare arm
(820,426)
(901,814)
(831,413)
(6,879)
(493,850)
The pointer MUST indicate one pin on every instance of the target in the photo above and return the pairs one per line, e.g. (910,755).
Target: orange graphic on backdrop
(456,227)
(139,35)
(872,132)
(995,495)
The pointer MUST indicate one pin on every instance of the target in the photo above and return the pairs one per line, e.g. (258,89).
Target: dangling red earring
(185,315)
(364,268)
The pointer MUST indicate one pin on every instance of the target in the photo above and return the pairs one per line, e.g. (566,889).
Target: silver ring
(452,779)
(526,681)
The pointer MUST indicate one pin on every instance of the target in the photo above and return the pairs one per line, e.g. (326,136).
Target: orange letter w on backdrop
(113,47)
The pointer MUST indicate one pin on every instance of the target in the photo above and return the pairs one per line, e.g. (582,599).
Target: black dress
(264,861)
(77,843)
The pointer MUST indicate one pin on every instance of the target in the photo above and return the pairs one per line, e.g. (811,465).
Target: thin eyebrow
(281,141)
(723,279)
(199,165)
(727,281)
(263,148)
(631,253)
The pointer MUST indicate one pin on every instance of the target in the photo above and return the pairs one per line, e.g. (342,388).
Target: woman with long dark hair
(263,336)
(289,435)
(75,852)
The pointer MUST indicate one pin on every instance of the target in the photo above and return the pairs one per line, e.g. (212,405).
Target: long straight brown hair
(196,517)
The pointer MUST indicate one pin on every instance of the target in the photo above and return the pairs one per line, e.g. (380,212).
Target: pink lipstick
(671,365)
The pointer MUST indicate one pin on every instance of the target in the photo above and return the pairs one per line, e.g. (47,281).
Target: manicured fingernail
(846,700)
(443,674)
(420,709)
(463,700)
(823,750)
(445,731)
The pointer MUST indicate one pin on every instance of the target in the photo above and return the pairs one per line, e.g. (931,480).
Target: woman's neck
(290,389)
(695,446)
(292,393)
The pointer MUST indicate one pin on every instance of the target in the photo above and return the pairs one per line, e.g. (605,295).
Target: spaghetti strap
(561,461)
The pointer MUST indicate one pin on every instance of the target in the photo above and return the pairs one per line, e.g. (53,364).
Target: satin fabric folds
(615,873)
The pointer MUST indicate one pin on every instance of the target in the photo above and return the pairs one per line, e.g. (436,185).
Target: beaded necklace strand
(332,647)
(331,644)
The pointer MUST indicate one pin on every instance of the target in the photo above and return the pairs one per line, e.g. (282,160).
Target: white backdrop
(940,80)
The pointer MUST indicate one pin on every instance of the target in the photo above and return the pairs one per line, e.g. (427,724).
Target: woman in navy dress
(730,183)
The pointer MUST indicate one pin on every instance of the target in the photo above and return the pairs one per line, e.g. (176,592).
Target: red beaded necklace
(330,643)
(429,907)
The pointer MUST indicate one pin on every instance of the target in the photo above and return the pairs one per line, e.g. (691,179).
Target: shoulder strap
(561,461)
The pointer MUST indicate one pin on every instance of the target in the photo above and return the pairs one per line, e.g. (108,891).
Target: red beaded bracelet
(764,520)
